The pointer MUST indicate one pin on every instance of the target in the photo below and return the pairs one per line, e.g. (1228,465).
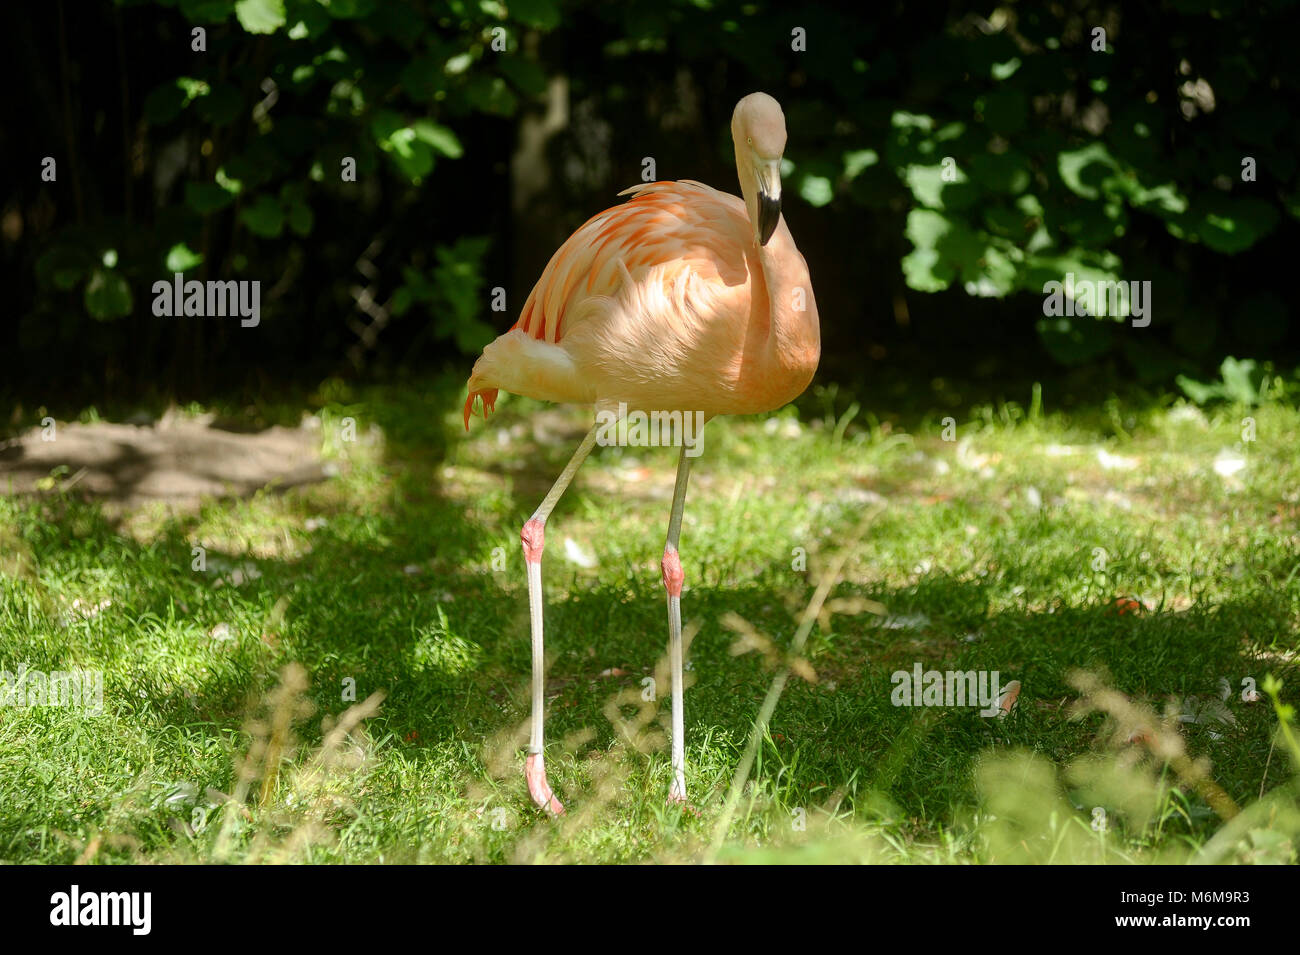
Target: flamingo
(683,299)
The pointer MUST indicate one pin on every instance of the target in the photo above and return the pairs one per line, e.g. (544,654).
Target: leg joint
(673,574)
(533,537)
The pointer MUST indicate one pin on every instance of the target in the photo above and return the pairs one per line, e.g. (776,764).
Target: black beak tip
(769,214)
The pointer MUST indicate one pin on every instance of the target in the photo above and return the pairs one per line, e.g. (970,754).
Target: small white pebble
(1228,463)
(905,621)
(1186,413)
(859,495)
(1115,462)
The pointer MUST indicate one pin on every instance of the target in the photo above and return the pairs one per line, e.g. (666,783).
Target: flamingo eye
(750,140)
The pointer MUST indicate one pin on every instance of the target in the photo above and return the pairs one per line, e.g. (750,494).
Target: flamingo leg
(533,538)
(673,577)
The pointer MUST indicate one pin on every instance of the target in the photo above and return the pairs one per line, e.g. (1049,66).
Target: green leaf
(932,190)
(207,11)
(1239,380)
(1164,199)
(260,16)
(542,14)
(926,228)
(164,103)
(181,258)
(349,9)
(993,275)
(260,162)
(459,64)
(413,156)
(108,295)
(1200,392)
(924,269)
(1099,272)
(410,146)
(1005,70)
(424,77)
(65,264)
(222,105)
(206,197)
(1226,224)
(1085,170)
(301,218)
(439,137)
(816,190)
(855,162)
(1001,172)
(490,94)
(526,75)
(947,246)
(265,217)
(307,18)
(402,300)
(224,180)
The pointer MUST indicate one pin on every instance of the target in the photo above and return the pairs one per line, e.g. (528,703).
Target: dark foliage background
(473,163)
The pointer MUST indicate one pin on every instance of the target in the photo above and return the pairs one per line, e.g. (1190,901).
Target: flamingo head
(758,132)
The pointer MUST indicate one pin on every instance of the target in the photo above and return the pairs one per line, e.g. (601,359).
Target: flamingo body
(661,303)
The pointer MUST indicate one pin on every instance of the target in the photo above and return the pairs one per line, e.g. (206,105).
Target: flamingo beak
(769,197)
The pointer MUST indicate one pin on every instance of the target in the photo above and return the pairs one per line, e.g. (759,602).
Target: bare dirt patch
(178,460)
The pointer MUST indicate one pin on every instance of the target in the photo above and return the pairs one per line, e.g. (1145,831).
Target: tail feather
(489,396)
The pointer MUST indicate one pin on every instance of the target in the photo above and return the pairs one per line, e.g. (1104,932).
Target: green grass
(1005,550)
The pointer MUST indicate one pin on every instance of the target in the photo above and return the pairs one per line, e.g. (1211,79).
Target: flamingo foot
(677,797)
(538,788)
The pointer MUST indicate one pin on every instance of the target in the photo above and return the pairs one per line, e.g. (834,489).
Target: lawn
(339,672)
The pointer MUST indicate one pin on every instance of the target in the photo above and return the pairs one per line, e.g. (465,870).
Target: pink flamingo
(683,299)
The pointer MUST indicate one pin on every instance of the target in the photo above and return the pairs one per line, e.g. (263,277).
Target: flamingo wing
(665,223)
(693,236)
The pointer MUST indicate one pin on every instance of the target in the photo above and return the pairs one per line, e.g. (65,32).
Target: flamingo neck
(784,309)
(794,339)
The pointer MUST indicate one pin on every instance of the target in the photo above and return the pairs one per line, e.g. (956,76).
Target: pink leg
(674,577)
(533,538)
